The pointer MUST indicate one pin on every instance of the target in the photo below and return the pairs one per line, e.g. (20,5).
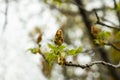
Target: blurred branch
(91,50)
(44,57)
(103,24)
(112,45)
(109,22)
(117,11)
(98,19)
(91,64)
(66,12)
(115,4)
(6,15)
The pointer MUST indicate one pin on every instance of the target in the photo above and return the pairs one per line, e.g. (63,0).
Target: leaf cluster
(103,37)
(54,53)
(58,53)
(74,51)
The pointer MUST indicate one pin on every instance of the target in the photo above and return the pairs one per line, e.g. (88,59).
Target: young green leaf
(34,50)
(61,48)
(74,51)
(79,50)
(51,46)
(71,52)
(50,57)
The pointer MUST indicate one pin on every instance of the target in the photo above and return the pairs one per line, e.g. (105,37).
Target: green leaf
(51,46)
(34,50)
(74,51)
(56,49)
(50,57)
(71,52)
(104,35)
(61,48)
(79,50)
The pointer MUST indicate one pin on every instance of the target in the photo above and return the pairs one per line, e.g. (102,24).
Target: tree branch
(86,65)
(6,15)
(112,45)
(109,22)
(98,19)
(117,11)
(66,12)
(103,24)
(91,64)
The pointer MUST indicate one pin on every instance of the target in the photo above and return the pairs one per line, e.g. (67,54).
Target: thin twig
(112,45)
(66,12)
(109,22)
(6,15)
(98,19)
(44,57)
(117,11)
(91,64)
(103,24)
(89,50)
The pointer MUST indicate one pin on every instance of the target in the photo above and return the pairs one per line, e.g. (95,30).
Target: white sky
(15,64)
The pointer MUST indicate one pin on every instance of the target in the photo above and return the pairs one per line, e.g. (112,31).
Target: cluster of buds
(95,30)
(59,37)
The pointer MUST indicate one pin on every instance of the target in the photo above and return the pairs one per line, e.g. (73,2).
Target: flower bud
(59,37)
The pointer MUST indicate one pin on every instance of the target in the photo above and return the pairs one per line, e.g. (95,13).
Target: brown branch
(44,57)
(117,11)
(112,45)
(86,65)
(103,24)
(98,19)
(63,11)
(109,22)
(91,64)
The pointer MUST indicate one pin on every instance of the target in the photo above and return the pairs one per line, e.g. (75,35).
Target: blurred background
(21,22)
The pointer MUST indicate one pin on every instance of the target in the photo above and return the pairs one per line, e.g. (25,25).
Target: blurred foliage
(114,54)
(118,6)
(102,38)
